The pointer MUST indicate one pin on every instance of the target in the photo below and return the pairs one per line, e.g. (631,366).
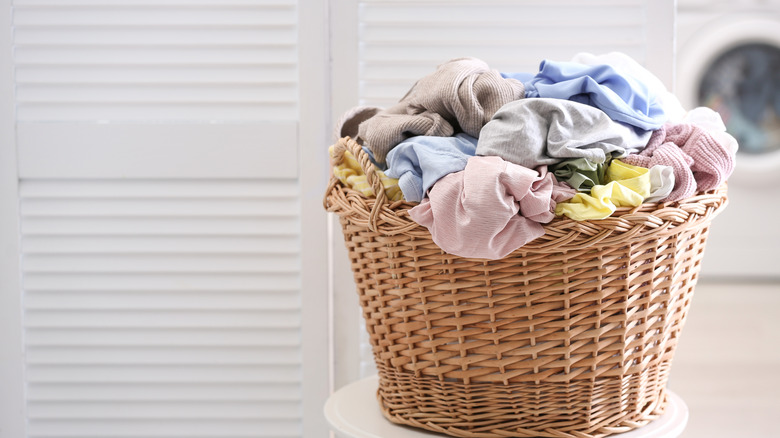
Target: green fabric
(581,173)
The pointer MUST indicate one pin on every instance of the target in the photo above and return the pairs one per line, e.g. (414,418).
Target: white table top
(353,411)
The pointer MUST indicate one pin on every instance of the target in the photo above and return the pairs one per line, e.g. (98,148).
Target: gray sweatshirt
(535,131)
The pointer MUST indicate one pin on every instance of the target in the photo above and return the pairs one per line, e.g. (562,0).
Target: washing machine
(728,58)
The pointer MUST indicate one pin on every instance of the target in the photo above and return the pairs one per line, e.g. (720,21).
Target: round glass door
(743,85)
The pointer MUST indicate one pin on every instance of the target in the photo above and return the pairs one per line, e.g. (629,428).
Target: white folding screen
(380,48)
(165,175)
(166,217)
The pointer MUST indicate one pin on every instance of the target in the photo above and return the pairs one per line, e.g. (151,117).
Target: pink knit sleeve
(712,161)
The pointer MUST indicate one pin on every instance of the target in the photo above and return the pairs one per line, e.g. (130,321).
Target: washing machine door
(733,66)
(743,85)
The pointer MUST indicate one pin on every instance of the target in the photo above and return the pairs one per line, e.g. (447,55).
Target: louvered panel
(176,301)
(175,61)
(403,41)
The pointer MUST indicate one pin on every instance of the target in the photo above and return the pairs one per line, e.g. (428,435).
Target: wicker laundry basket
(571,335)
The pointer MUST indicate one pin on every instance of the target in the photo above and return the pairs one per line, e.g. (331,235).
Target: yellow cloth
(634,177)
(350,173)
(627,186)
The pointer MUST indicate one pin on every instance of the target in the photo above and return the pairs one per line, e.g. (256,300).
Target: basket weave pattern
(571,335)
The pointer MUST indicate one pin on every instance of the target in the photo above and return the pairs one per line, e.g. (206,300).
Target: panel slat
(142,112)
(242,73)
(157,35)
(102,55)
(162,373)
(162,282)
(160,263)
(242,337)
(157,410)
(145,226)
(152,3)
(268,319)
(231,428)
(159,207)
(127,356)
(192,245)
(165,189)
(160,300)
(164,391)
(131,14)
(160,92)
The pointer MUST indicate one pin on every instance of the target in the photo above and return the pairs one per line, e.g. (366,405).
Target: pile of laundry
(492,156)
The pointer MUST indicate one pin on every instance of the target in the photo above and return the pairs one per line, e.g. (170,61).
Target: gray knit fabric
(535,131)
(461,95)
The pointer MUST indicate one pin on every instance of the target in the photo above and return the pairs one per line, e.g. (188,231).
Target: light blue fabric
(622,97)
(419,162)
(522,77)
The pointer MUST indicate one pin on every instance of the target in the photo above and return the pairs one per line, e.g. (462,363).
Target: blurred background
(167,268)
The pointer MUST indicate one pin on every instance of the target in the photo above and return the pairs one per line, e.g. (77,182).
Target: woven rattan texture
(585,408)
(572,335)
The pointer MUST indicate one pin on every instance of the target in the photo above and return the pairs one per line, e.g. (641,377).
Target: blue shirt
(418,162)
(622,97)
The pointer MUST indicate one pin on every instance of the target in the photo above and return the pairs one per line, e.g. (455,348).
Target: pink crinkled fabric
(700,162)
(490,208)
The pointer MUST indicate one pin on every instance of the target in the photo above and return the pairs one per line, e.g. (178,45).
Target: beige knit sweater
(461,95)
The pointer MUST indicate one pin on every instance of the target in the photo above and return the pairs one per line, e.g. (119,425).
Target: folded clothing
(699,161)
(419,162)
(623,97)
(351,174)
(490,208)
(460,96)
(532,132)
